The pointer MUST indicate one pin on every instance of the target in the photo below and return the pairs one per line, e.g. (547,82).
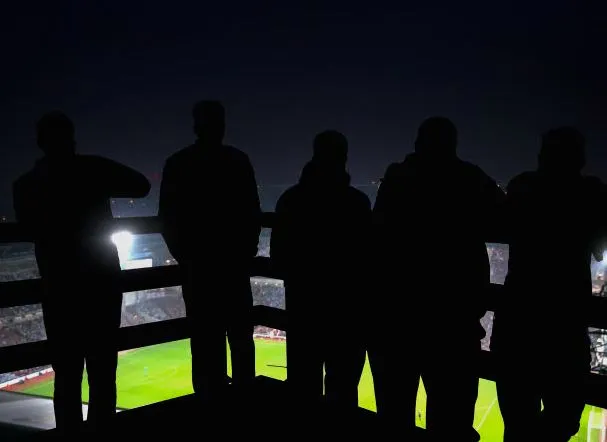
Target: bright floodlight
(123,241)
(604,257)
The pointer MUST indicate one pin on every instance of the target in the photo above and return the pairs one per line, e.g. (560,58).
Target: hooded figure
(433,213)
(552,234)
(318,244)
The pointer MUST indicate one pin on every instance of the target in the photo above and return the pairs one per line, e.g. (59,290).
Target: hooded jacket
(433,216)
(320,236)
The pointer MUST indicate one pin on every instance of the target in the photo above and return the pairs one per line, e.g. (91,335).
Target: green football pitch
(160,372)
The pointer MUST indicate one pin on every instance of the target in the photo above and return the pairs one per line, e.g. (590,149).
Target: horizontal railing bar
(17,293)
(138,225)
(35,354)
(29,291)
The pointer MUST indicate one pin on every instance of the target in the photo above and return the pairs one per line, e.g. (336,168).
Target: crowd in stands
(269,332)
(6,377)
(22,324)
(498,257)
(268,292)
(20,275)
(154,309)
(263,249)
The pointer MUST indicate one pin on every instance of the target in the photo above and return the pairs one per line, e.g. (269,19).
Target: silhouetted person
(540,330)
(433,212)
(64,203)
(318,244)
(211,214)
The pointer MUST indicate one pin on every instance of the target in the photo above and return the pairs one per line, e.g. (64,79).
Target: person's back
(433,213)
(552,233)
(324,217)
(210,211)
(213,203)
(319,245)
(552,236)
(64,204)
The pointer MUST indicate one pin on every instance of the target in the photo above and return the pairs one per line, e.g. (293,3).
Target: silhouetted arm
(603,222)
(600,219)
(494,203)
(119,181)
(252,207)
(168,210)
(362,238)
(23,209)
(279,236)
(515,195)
(384,194)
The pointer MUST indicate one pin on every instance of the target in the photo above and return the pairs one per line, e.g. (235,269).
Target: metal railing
(18,293)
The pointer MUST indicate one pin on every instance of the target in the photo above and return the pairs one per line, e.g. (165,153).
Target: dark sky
(128,73)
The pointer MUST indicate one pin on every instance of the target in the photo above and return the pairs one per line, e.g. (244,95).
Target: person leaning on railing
(63,203)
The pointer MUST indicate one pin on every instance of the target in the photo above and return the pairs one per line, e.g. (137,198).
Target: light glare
(123,241)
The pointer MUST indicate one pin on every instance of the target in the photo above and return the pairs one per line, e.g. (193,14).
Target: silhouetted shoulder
(595,188)
(91,159)
(522,182)
(182,156)
(23,181)
(474,171)
(360,199)
(95,161)
(186,155)
(394,172)
(594,183)
(22,194)
(236,154)
(27,184)
(287,198)
(112,178)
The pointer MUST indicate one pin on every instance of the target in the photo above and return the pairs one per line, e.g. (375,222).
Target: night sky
(129,72)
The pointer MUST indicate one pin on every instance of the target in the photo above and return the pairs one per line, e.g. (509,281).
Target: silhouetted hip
(439,345)
(82,322)
(556,311)
(543,354)
(218,304)
(528,378)
(325,335)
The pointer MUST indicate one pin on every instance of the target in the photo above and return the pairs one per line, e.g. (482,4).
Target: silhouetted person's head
(55,135)
(563,151)
(209,121)
(331,149)
(437,137)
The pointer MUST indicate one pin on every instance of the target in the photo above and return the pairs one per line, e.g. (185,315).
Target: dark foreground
(268,414)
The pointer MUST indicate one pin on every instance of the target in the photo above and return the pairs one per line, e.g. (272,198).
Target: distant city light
(123,241)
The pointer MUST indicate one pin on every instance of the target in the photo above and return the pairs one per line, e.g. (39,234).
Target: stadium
(159,372)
